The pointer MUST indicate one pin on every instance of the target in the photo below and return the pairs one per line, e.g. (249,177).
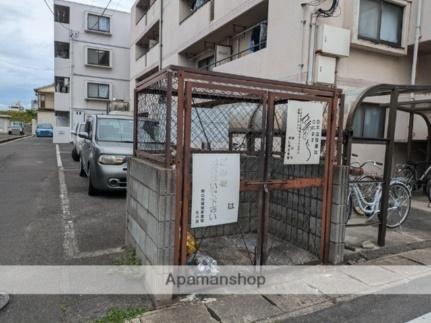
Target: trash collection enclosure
(192,125)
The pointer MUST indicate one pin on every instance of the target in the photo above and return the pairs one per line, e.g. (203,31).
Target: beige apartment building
(351,44)
(45,104)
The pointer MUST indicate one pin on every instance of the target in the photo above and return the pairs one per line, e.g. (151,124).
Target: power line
(103,12)
(53,14)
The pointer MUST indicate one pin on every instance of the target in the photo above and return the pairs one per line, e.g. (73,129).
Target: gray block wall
(151,212)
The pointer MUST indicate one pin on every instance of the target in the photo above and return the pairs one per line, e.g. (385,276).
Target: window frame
(361,112)
(378,40)
(98,91)
(99,50)
(93,30)
(57,43)
(56,7)
(57,80)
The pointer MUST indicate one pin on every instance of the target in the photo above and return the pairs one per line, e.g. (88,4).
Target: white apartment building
(356,45)
(91,66)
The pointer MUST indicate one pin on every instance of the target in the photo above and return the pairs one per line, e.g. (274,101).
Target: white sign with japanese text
(216,184)
(303,132)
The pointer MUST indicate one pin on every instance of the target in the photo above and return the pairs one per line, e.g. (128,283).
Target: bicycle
(368,179)
(369,202)
(409,175)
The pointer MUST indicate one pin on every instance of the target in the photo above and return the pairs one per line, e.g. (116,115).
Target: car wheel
(81,169)
(92,191)
(75,155)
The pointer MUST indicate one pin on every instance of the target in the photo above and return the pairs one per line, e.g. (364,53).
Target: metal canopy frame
(393,91)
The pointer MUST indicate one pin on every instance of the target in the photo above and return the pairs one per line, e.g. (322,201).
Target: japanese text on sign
(216,182)
(303,132)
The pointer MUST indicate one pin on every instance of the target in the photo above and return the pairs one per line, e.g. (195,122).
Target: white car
(77,141)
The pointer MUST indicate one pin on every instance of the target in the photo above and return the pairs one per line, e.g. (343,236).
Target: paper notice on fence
(216,182)
(303,133)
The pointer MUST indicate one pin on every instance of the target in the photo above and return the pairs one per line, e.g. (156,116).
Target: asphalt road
(32,229)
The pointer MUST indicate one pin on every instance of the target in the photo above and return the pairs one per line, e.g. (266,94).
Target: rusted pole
(387,174)
(261,192)
(410,136)
(179,170)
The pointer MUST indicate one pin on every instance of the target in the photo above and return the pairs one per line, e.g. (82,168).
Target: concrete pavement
(32,229)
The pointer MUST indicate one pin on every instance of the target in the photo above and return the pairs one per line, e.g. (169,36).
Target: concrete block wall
(151,212)
(340,191)
(296,214)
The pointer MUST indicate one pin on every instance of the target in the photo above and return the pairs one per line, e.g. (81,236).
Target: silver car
(108,142)
(77,141)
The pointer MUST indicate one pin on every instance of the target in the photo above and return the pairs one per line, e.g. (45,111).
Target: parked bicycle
(408,173)
(368,201)
(367,179)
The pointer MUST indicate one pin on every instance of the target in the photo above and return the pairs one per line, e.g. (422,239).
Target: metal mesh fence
(221,116)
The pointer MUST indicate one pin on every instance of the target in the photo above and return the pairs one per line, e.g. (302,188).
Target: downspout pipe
(418,36)
(161,37)
(312,41)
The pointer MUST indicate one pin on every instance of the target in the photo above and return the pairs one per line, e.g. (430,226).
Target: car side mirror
(83,135)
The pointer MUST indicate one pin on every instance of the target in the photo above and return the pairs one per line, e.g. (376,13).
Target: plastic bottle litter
(206,264)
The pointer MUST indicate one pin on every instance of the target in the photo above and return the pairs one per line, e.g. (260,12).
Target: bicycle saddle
(356,171)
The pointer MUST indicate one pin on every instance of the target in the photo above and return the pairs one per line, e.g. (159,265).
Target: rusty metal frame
(394,91)
(269,93)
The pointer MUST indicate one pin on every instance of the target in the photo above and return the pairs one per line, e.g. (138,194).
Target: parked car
(16,128)
(77,141)
(44,130)
(108,142)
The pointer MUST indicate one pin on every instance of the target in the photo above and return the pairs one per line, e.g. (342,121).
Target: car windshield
(115,130)
(45,126)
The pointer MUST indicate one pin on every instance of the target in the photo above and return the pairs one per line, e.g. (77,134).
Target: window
(61,49)
(207,63)
(381,21)
(259,36)
(97,91)
(115,130)
(61,14)
(369,121)
(62,84)
(98,23)
(189,7)
(42,100)
(98,57)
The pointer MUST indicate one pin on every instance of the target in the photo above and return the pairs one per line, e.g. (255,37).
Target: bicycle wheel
(407,176)
(428,190)
(399,205)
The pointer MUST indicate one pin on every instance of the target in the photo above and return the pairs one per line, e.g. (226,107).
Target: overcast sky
(27,46)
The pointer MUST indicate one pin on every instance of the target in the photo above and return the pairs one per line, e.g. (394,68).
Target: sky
(27,46)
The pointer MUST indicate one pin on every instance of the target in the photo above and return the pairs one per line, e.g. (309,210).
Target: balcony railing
(199,4)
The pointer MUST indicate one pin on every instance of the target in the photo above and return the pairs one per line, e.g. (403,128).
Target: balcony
(147,61)
(61,101)
(147,13)
(244,35)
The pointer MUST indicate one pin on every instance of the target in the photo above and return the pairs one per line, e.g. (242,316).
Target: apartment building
(91,62)
(351,44)
(45,104)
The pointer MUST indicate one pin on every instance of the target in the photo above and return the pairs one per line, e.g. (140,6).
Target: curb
(2,141)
